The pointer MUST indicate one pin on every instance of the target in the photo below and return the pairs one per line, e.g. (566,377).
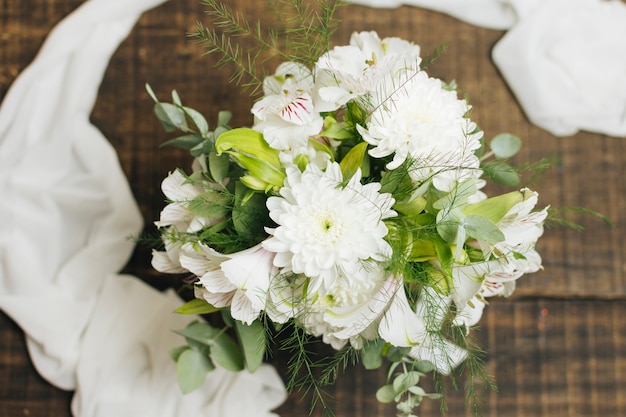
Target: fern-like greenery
(303,35)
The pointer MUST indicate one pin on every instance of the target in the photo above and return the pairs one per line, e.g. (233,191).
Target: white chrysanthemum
(289,112)
(326,230)
(349,312)
(355,70)
(418,118)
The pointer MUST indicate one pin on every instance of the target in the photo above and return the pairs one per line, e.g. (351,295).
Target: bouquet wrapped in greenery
(350,212)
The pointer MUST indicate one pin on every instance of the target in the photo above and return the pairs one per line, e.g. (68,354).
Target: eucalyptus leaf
(196,306)
(385,394)
(218,166)
(176,98)
(252,338)
(458,196)
(200,332)
(198,120)
(171,116)
(406,380)
(175,352)
(396,354)
(191,370)
(502,173)
(151,93)
(223,117)
(505,145)
(186,142)
(482,229)
(226,353)
(371,354)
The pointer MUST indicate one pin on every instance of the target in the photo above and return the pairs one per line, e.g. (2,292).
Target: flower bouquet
(350,212)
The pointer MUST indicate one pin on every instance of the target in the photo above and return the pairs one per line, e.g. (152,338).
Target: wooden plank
(551,353)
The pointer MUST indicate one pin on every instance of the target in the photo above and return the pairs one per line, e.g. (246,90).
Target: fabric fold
(67,215)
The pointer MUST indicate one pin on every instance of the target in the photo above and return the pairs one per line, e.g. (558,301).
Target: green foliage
(196,306)
(253,343)
(304,35)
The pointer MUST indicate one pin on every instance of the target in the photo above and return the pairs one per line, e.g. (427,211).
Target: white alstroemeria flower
(326,230)
(287,296)
(179,191)
(418,119)
(168,261)
(471,314)
(355,310)
(419,328)
(400,325)
(240,280)
(356,70)
(308,152)
(517,256)
(289,112)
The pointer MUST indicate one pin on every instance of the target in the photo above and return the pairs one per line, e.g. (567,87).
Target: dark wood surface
(557,348)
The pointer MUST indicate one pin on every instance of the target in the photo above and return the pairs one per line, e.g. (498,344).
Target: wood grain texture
(557,348)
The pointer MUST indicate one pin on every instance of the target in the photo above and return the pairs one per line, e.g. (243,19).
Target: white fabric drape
(67,213)
(565,60)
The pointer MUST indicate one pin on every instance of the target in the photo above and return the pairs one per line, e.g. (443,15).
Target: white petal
(443,354)
(163,263)
(400,325)
(216,282)
(356,319)
(242,309)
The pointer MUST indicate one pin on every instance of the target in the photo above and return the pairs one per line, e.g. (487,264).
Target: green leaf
(211,204)
(505,145)
(196,306)
(202,126)
(336,130)
(494,208)
(175,352)
(502,173)
(252,340)
(406,380)
(223,117)
(151,93)
(482,229)
(249,213)
(218,166)
(371,354)
(448,223)
(268,173)
(396,354)
(191,369)
(458,196)
(226,353)
(171,116)
(200,332)
(186,142)
(353,160)
(385,394)
(176,98)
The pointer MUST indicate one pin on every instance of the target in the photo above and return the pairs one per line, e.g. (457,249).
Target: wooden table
(557,348)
